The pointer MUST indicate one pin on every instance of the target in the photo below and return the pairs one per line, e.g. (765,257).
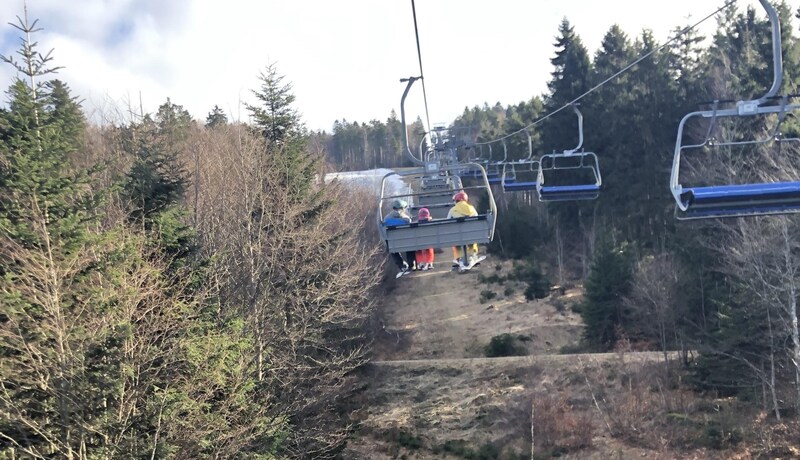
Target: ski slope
(371,180)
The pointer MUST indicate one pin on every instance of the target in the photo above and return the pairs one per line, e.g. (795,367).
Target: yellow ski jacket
(462,209)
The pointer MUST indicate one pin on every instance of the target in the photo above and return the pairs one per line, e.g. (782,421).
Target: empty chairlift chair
(521,175)
(484,162)
(435,193)
(495,170)
(569,175)
(706,197)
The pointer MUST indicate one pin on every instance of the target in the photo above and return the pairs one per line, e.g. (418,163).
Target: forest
(182,288)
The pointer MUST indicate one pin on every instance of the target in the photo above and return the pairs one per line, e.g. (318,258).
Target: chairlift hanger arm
(580,130)
(777,57)
(530,145)
(410,81)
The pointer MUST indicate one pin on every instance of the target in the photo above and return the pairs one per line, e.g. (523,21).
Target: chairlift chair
(484,162)
(494,171)
(436,193)
(440,232)
(739,199)
(563,176)
(521,175)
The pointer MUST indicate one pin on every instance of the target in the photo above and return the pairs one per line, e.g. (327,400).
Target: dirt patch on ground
(444,314)
(431,392)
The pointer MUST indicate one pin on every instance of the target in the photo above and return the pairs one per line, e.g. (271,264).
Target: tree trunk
(772,388)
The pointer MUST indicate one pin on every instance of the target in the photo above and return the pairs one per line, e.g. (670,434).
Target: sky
(344,59)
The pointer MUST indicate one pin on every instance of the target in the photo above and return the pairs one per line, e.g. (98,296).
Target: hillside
(432,393)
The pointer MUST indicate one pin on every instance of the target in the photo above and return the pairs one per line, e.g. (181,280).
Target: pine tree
(156,183)
(216,118)
(45,208)
(35,151)
(279,124)
(65,112)
(570,76)
(274,117)
(570,79)
(603,311)
(156,179)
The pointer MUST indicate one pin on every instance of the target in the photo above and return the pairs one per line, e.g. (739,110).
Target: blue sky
(343,58)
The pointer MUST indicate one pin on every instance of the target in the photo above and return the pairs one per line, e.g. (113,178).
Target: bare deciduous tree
(301,273)
(652,300)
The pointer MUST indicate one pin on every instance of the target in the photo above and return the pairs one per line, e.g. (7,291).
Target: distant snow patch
(371,180)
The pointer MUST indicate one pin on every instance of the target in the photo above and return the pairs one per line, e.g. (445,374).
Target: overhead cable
(421,74)
(620,72)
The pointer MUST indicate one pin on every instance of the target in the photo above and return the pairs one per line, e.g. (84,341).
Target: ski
(465,268)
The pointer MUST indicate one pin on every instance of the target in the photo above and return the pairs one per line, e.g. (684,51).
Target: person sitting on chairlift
(399,216)
(424,257)
(462,208)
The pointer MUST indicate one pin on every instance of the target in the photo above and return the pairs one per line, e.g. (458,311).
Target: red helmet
(424,213)
(460,196)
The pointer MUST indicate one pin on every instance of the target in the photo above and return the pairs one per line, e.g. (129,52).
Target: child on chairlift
(424,256)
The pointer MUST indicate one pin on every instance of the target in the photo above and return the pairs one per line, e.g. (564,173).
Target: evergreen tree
(735,357)
(570,79)
(634,145)
(603,309)
(686,63)
(156,182)
(572,67)
(280,125)
(612,137)
(35,152)
(173,122)
(216,118)
(275,117)
(156,179)
(65,112)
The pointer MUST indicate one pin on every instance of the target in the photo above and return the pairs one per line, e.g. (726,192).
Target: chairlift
(494,171)
(521,175)
(569,175)
(751,198)
(439,232)
(479,159)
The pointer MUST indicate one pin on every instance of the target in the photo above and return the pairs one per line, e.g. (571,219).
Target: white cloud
(344,59)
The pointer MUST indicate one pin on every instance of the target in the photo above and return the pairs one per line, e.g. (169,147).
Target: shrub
(538,287)
(493,278)
(487,296)
(401,437)
(505,345)
(715,436)
(558,428)
(460,448)
(559,305)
